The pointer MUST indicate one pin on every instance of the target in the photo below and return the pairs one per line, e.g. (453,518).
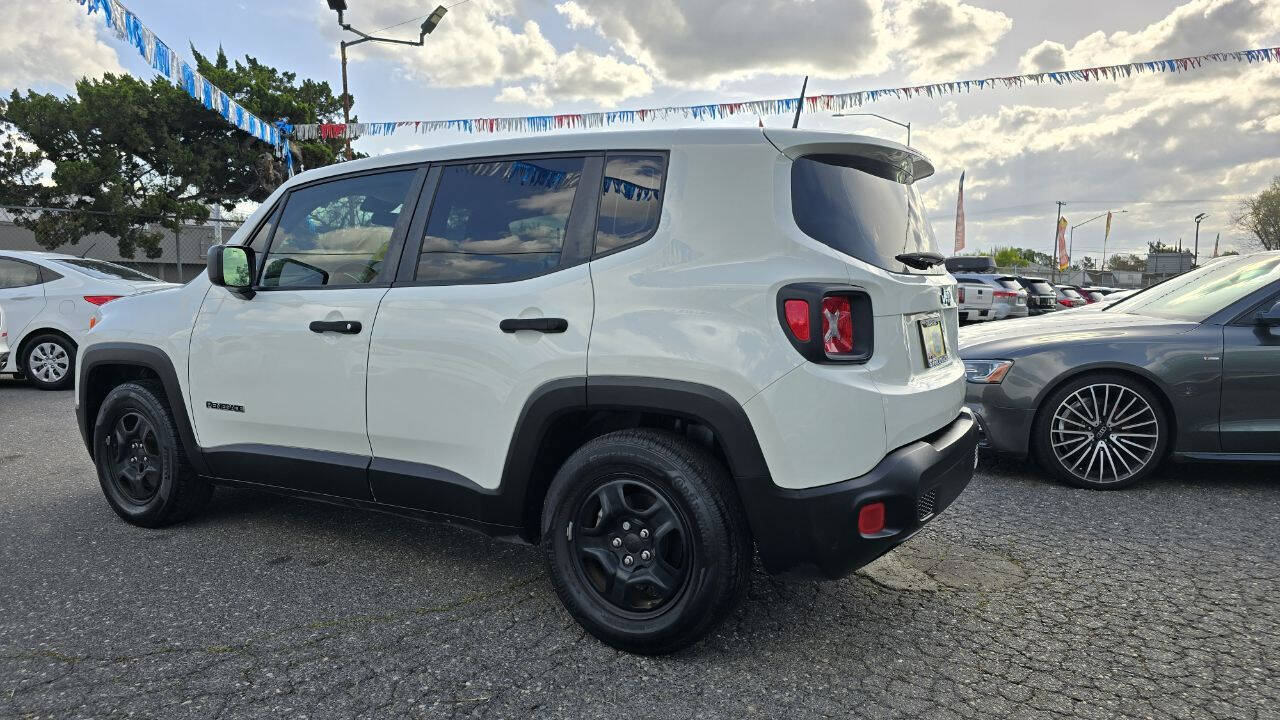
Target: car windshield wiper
(920,260)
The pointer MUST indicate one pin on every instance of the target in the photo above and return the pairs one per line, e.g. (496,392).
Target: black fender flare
(142,356)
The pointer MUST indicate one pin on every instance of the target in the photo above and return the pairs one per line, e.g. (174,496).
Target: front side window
(336,233)
(630,200)
(107,271)
(18,274)
(498,221)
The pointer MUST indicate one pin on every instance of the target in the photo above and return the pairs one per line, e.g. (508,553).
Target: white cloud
(582,75)
(51,44)
(1046,56)
(942,38)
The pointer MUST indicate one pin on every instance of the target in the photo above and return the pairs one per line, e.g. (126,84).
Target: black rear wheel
(645,540)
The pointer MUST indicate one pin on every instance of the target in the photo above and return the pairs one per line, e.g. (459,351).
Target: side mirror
(1269,318)
(231,266)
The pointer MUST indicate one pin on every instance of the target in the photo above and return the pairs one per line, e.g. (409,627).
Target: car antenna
(92,245)
(800,105)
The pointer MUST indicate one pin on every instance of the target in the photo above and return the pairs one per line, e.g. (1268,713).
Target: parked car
(49,299)
(1008,297)
(975,300)
(1041,296)
(611,344)
(1092,294)
(1189,368)
(1069,297)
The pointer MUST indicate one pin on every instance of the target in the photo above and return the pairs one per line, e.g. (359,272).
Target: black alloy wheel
(631,545)
(133,461)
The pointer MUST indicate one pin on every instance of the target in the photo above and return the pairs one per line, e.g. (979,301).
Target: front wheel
(645,540)
(49,362)
(1104,432)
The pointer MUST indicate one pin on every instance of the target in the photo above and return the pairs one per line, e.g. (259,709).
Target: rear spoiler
(798,143)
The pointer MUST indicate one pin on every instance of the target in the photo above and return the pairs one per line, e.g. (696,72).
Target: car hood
(1010,337)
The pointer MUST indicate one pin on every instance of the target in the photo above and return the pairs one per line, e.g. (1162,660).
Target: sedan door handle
(347,327)
(546,325)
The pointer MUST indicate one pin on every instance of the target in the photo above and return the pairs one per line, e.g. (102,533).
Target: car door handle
(546,325)
(347,327)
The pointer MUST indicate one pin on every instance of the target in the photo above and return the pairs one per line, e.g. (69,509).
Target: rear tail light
(827,323)
(1004,294)
(101,299)
(871,518)
(960,294)
(837,325)
(1065,301)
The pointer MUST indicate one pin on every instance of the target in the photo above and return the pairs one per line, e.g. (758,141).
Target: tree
(1159,247)
(1131,262)
(1259,217)
(1086,263)
(128,156)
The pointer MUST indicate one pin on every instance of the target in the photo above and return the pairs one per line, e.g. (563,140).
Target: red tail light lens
(1064,301)
(797,312)
(1004,293)
(837,325)
(101,299)
(960,294)
(871,518)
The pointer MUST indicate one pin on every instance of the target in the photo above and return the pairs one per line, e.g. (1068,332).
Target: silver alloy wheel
(1104,433)
(49,362)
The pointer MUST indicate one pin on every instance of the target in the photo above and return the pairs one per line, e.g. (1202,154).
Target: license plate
(934,341)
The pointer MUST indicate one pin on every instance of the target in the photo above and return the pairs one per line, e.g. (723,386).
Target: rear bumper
(814,532)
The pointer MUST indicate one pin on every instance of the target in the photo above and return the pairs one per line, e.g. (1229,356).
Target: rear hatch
(858,197)
(1012,293)
(1040,294)
(973,294)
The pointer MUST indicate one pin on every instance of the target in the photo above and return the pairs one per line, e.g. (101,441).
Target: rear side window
(860,209)
(630,200)
(18,274)
(498,221)
(336,233)
(107,271)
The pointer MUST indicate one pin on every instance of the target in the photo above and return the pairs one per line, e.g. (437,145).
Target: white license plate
(933,338)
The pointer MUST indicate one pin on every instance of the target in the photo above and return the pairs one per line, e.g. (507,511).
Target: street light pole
(340,7)
(1071,251)
(1195,256)
(886,119)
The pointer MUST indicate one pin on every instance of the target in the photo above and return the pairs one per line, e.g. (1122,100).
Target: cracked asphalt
(1026,599)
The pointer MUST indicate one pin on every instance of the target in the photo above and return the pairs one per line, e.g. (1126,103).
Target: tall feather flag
(1063,259)
(960,217)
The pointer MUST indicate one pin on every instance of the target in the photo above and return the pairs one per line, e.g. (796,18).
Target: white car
(4,340)
(651,352)
(47,300)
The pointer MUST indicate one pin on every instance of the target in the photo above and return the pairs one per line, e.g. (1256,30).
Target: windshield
(863,210)
(107,271)
(1201,293)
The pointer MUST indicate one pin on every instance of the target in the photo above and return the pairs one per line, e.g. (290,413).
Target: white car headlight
(987,372)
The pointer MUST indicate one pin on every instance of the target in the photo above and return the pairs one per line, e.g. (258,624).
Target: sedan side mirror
(231,266)
(1269,318)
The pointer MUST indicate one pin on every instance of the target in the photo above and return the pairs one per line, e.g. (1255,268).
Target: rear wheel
(645,540)
(1105,432)
(141,463)
(49,361)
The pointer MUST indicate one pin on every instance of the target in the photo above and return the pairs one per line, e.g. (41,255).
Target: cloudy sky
(1162,148)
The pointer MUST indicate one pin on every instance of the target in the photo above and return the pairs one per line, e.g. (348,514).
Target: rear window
(1040,287)
(107,271)
(1010,283)
(861,209)
(1071,293)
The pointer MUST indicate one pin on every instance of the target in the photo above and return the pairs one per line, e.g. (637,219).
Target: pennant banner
(129,29)
(784,106)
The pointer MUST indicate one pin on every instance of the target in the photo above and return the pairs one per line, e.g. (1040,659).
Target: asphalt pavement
(1026,599)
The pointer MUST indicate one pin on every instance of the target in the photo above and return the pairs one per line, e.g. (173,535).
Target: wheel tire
(134,421)
(687,487)
(49,361)
(1068,418)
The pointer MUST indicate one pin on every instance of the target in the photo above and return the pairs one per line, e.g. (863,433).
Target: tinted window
(1010,283)
(1039,287)
(630,200)
(107,271)
(18,274)
(1071,293)
(862,210)
(1200,293)
(336,233)
(498,221)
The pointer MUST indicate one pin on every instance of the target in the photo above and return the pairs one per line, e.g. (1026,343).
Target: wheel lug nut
(626,526)
(644,534)
(628,560)
(646,555)
(617,542)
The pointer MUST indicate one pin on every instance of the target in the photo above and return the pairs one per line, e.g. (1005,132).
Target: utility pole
(177,249)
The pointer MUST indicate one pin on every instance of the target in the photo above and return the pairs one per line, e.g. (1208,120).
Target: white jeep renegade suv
(648,351)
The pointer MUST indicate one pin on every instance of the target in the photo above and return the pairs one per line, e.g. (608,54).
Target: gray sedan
(1188,368)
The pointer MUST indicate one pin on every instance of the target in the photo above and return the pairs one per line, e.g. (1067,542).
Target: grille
(924,506)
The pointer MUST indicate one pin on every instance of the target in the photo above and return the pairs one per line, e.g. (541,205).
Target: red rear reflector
(101,299)
(837,325)
(871,518)
(797,312)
